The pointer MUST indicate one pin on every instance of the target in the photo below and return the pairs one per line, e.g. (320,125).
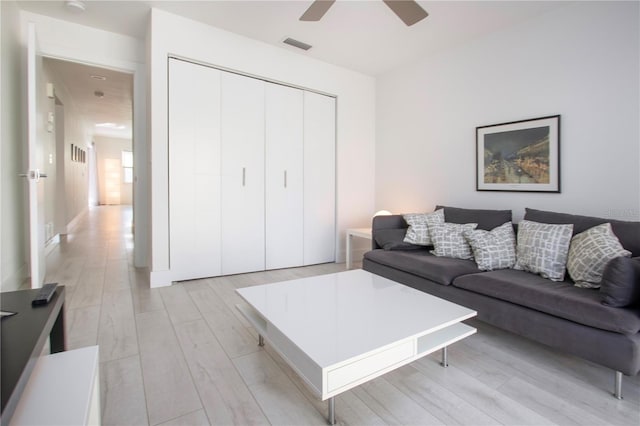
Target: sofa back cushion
(627,232)
(486,219)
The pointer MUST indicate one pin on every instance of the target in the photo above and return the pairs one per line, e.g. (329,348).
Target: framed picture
(519,156)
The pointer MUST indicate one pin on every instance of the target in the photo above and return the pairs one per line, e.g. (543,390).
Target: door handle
(285,178)
(33,174)
(244,176)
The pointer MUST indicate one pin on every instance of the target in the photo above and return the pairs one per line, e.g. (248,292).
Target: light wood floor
(182,355)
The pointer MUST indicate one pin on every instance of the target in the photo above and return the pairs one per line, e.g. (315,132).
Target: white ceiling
(362,35)
(112,113)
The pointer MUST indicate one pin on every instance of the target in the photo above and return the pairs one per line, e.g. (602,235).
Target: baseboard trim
(160,279)
(74,222)
(51,244)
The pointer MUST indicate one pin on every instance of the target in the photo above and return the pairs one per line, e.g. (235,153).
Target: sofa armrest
(620,285)
(385,223)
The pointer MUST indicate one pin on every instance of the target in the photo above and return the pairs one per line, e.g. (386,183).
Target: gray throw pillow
(589,253)
(448,240)
(419,225)
(495,249)
(620,285)
(543,248)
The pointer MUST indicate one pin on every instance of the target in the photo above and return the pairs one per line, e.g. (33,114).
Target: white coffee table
(340,330)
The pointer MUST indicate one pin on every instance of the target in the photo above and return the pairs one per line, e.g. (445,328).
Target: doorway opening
(88,149)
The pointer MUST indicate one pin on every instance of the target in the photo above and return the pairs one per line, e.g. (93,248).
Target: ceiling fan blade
(408,11)
(317,10)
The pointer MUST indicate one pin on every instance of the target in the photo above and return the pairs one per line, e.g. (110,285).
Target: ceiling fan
(408,11)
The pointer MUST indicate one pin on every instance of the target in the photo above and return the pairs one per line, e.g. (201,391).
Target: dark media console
(23,337)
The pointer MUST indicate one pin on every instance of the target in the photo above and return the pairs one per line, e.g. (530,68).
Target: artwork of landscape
(517,156)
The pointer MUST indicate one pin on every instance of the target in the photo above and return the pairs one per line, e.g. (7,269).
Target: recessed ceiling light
(76,6)
(111,126)
(99,94)
(99,77)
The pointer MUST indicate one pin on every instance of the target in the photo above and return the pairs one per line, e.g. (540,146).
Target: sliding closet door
(319,178)
(283,176)
(242,118)
(194,170)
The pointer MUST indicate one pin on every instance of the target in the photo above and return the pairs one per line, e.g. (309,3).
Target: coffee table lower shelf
(330,380)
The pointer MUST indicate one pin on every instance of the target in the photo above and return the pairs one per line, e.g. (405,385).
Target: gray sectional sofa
(557,314)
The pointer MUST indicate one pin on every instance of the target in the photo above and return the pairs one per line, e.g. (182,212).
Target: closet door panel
(319,178)
(242,117)
(283,176)
(194,170)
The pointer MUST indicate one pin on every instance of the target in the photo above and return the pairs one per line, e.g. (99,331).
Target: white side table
(356,232)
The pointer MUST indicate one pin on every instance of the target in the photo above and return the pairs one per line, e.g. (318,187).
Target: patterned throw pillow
(448,240)
(589,253)
(542,249)
(419,225)
(495,249)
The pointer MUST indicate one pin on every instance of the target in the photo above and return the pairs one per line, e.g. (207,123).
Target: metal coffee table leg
(445,361)
(332,411)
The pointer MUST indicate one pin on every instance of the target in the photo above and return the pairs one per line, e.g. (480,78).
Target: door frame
(141,192)
(35,191)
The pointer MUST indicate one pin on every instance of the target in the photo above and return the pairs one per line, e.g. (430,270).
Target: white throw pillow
(589,253)
(495,249)
(542,249)
(448,240)
(419,224)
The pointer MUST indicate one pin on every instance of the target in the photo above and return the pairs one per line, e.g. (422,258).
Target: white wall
(68,199)
(46,105)
(76,174)
(111,148)
(13,234)
(170,34)
(581,61)
(68,41)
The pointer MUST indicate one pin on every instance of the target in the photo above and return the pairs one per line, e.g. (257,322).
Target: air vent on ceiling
(296,43)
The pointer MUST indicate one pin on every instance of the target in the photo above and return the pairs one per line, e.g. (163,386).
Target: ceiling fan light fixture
(297,43)
(76,6)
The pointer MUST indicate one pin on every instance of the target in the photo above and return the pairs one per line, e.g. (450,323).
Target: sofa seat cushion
(441,270)
(560,299)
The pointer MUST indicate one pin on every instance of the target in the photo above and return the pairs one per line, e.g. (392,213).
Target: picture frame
(519,156)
